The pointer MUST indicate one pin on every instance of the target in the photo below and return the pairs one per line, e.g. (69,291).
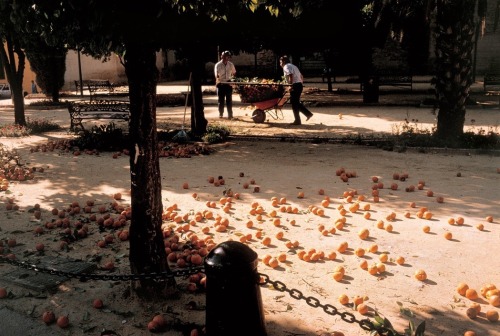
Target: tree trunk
(147,249)
(56,81)
(18,98)
(454,48)
(15,75)
(197,66)
(198,121)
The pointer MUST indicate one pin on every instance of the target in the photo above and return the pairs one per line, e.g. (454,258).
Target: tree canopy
(136,30)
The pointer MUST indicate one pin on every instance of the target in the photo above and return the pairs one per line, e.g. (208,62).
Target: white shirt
(290,69)
(224,72)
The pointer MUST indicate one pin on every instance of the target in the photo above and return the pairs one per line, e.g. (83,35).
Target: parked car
(5,92)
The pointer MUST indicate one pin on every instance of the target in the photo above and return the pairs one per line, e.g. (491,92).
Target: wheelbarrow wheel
(259,116)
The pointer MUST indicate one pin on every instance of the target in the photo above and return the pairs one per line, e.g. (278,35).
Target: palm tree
(454,24)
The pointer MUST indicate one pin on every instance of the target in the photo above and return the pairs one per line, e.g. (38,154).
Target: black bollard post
(234,302)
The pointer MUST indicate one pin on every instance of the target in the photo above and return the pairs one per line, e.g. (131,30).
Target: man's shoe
(220,116)
(296,123)
(309,117)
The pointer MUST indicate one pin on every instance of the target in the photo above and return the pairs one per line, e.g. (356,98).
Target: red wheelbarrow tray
(266,104)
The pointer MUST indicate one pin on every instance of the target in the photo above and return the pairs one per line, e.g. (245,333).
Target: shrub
(409,134)
(481,139)
(216,134)
(103,138)
(49,103)
(13,131)
(170,100)
(37,126)
(33,126)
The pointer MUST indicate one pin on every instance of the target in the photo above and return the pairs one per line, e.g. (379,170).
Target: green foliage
(104,138)
(412,135)
(216,134)
(482,139)
(383,322)
(170,99)
(49,103)
(256,93)
(409,134)
(33,126)
(37,126)
(12,56)
(49,65)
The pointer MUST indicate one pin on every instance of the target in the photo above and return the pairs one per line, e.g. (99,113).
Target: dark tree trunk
(367,76)
(16,86)
(55,82)
(197,66)
(147,249)
(15,75)
(454,48)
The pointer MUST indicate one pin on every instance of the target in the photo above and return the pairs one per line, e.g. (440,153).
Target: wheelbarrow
(267,97)
(273,107)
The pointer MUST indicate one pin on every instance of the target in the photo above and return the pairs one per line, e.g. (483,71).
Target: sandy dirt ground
(468,183)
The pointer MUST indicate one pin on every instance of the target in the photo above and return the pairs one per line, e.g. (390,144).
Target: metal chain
(365,324)
(104,277)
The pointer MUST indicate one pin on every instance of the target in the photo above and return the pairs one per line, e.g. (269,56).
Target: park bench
(396,80)
(328,72)
(96,87)
(312,68)
(491,82)
(96,110)
(492,85)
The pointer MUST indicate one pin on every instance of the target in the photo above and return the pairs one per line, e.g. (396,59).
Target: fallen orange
(462,288)
(362,309)
(420,275)
(337,276)
(471,294)
(363,234)
(400,260)
(343,299)
(492,315)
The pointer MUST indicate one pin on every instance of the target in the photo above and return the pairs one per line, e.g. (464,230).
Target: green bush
(216,134)
(170,99)
(212,138)
(33,126)
(409,134)
(37,126)
(481,139)
(49,103)
(103,138)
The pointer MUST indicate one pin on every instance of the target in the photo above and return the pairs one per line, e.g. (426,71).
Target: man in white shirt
(294,77)
(224,71)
